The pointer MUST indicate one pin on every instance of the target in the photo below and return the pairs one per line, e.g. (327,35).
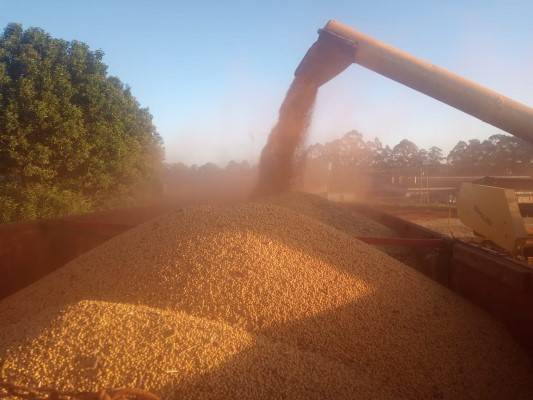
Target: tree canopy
(352,150)
(72,138)
(499,154)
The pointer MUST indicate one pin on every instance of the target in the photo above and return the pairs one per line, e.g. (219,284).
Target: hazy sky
(214,73)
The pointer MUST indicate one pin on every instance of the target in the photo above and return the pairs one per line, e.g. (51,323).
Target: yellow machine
(491,212)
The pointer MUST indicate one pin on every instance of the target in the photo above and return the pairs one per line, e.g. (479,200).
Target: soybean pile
(329,213)
(255,300)
(95,343)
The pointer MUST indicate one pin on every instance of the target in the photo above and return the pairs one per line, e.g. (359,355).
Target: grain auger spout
(339,45)
(492,212)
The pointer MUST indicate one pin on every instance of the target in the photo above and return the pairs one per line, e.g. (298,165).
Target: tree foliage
(72,138)
(497,155)
(406,154)
(352,150)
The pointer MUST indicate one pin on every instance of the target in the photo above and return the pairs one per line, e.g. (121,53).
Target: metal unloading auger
(490,211)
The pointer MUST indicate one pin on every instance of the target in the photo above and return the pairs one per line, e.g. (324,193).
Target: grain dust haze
(326,58)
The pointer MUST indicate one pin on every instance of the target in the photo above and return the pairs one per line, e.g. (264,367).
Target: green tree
(351,150)
(72,138)
(406,154)
(509,154)
(435,156)
(383,156)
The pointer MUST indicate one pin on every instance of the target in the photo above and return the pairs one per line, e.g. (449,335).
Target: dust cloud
(276,162)
(326,58)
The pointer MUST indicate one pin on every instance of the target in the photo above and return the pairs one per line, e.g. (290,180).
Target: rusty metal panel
(499,267)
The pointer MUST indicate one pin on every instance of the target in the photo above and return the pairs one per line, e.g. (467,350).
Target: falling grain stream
(324,60)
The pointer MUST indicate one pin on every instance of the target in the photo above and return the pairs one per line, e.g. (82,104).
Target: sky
(214,73)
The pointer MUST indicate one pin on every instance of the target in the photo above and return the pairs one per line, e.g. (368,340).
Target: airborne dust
(276,163)
(325,59)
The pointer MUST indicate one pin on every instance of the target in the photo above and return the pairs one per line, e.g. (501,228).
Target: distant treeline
(497,155)
(235,180)
(350,162)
